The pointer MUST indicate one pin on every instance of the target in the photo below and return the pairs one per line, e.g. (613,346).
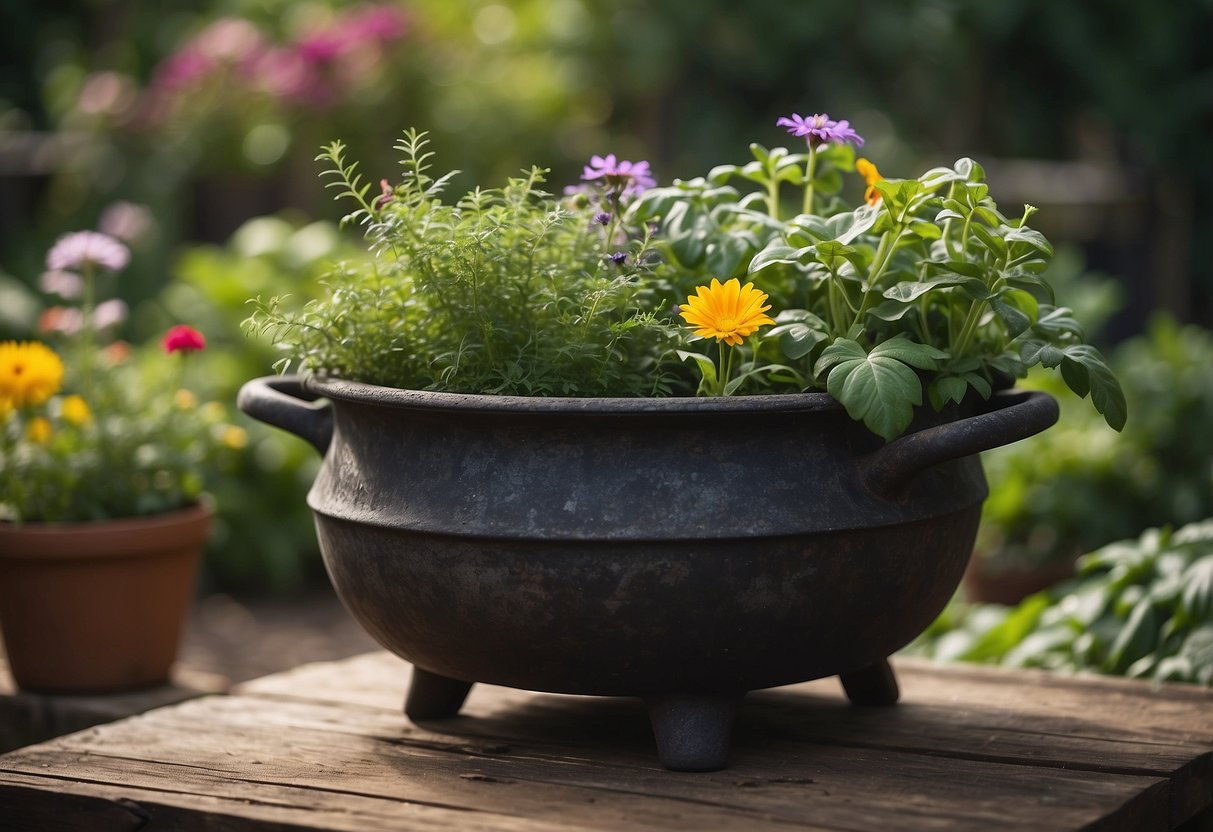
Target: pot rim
(81,539)
(406,399)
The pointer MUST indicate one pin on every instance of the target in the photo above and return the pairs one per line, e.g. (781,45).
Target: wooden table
(326,747)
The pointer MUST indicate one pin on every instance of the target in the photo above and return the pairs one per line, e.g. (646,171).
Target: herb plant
(924,292)
(507,291)
(925,285)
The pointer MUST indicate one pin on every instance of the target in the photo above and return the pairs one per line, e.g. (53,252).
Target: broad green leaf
(771,255)
(926,230)
(724,254)
(1085,371)
(946,389)
(722,173)
(1030,236)
(1197,595)
(1040,352)
(759,152)
(1138,637)
(911,290)
(879,387)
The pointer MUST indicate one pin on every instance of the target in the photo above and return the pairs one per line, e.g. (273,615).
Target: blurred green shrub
(1140,607)
(1078,486)
(264,540)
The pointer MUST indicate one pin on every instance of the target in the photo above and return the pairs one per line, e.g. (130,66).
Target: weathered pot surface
(681,550)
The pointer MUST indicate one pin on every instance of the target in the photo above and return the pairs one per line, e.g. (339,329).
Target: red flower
(182,338)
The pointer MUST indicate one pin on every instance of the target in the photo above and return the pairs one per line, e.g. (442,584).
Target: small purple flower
(633,177)
(618,257)
(84,248)
(820,129)
(602,218)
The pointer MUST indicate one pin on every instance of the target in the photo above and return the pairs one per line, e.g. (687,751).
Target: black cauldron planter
(682,550)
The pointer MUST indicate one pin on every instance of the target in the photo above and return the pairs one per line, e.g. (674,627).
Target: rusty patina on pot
(681,550)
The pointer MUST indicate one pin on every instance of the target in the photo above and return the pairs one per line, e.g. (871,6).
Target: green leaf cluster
(930,294)
(1141,608)
(506,291)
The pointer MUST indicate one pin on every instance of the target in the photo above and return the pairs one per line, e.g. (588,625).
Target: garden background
(190,129)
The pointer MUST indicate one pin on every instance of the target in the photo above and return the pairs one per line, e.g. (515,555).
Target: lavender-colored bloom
(602,218)
(109,313)
(83,248)
(618,257)
(126,221)
(67,285)
(633,176)
(820,129)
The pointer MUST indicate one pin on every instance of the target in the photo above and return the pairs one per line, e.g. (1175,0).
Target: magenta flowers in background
(183,338)
(820,129)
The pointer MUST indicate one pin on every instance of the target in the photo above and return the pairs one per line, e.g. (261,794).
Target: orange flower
(727,312)
(870,175)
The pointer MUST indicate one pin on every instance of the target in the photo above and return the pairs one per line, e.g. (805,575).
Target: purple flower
(634,177)
(618,257)
(602,218)
(87,248)
(820,129)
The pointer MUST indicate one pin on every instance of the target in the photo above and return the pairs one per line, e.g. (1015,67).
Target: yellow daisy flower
(76,411)
(728,312)
(30,373)
(235,437)
(870,175)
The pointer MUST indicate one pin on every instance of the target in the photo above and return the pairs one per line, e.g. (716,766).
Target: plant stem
(884,254)
(86,333)
(810,168)
(773,196)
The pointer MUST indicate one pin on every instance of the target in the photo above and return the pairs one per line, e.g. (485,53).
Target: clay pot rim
(117,537)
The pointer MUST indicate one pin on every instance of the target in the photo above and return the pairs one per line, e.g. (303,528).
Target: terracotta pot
(97,607)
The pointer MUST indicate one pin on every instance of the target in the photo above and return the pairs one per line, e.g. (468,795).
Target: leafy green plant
(926,287)
(1076,487)
(1140,608)
(114,433)
(506,291)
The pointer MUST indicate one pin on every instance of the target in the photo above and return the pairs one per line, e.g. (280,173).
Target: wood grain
(327,747)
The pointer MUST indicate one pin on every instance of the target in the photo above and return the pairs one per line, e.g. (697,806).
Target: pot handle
(283,401)
(1015,415)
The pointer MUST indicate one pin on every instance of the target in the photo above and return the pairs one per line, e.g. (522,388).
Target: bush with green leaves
(1078,486)
(1141,608)
(507,291)
(926,287)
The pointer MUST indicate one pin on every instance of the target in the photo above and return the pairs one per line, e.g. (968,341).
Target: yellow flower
(76,411)
(185,399)
(870,175)
(235,437)
(727,312)
(39,430)
(30,373)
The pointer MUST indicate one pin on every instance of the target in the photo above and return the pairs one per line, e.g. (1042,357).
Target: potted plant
(102,515)
(539,467)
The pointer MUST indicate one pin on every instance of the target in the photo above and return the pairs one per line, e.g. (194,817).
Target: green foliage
(930,289)
(1077,487)
(1141,608)
(506,291)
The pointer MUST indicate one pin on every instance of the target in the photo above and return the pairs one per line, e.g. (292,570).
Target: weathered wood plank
(327,747)
(1035,718)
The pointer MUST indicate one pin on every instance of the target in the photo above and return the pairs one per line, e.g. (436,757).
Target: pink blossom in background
(183,338)
(126,221)
(109,313)
(67,285)
(384,23)
(82,249)
(61,319)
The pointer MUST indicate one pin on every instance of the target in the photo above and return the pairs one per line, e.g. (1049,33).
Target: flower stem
(86,332)
(810,167)
(773,196)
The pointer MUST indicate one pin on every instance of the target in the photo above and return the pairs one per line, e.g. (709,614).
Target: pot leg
(871,685)
(434,697)
(692,732)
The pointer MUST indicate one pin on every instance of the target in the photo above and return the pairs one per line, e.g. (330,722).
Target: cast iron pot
(682,550)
